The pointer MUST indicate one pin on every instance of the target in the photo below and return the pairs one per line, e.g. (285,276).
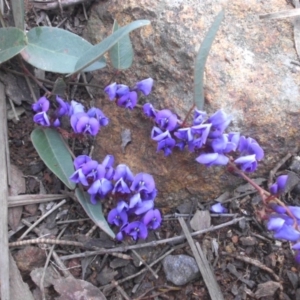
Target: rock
(118,262)
(267,289)
(29,258)
(248,240)
(248,74)
(180,269)
(106,276)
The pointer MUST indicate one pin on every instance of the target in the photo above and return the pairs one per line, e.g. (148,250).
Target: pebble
(180,269)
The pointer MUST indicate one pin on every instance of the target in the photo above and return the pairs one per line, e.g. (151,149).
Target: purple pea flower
(279,186)
(56,123)
(166,145)
(79,177)
(80,160)
(152,219)
(149,110)
(99,115)
(63,108)
(247,163)
(145,86)
(295,210)
(143,207)
(250,146)
(287,232)
(128,100)
(186,138)
(200,134)
(219,121)
(75,108)
(121,187)
(277,208)
(87,125)
(225,143)
(123,171)
(199,117)
(275,223)
(218,208)
(111,91)
(107,163)
(118,215)
(148,196)
(136,230)
(210,159)
(41,118)
(42,105)
(143,182)
(166,119)
(93,170)
(122,90)
(100,187)
(74,120)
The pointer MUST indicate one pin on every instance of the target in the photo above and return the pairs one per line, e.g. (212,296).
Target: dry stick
(281,14)
(122,292)
(42,218)
(7,150)
(145,264)
(4,257)
(203,265)
(254,262)
(108,286)
(150,244)
(30,88)
(21,200)
(72,221)
(53,4)
(90,232)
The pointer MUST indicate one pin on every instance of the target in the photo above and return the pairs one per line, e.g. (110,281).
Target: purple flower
(152,219)
(122,90)
(80,160)
(287,232)
(136,230)
(148,196)
(157,134)
(121,187)
(166,145)
(100,187)
(166,119)
(225,143)
(295,210)
(218,208)
(145,86)
(99,115)
(250,146)
(200,134)
(279,186)
(118,215)
(219,121)
(63,108)
(41,118)
(210,159)
(111,91)
(42,105)
(149,110)
(143,207)
(87,125)
(75,108)
(128,100)
(75,118)
(186,138)
(56,123)
(247,163)
(296,246)
(107,163)
(123,171)
(79,177)
(143,182)
(199,117)
(277,208)
(275,223)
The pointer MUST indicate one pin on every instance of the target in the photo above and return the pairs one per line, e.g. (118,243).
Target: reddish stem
(187,116)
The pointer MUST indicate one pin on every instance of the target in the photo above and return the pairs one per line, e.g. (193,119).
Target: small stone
(118,262)
(180,269)
(229,248)
(267,289)
(235,239)
(248,241)
(106,276)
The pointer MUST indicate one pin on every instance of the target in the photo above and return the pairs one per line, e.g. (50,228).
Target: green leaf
(121,54)
(18,13)
(98,50)
(201,60)
(56,50)
(94,211)
(12,42)
(52,149)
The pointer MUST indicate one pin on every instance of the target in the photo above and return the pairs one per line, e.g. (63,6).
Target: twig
(42,218)
(150,244)
(54,4)
(90,232)
(122,292)
(72,221)
(281,14)
(4,257)
(254,262)
(203,265)
(21,200)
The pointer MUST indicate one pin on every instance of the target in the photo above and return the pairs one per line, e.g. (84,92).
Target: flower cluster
(125,96)
(134,213)
(81,122)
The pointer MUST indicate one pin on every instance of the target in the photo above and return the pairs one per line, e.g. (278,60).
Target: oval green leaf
(12,42)
(57,50)
(121,54)
(94,211)
(98,50)
(52,149)
(201,60)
